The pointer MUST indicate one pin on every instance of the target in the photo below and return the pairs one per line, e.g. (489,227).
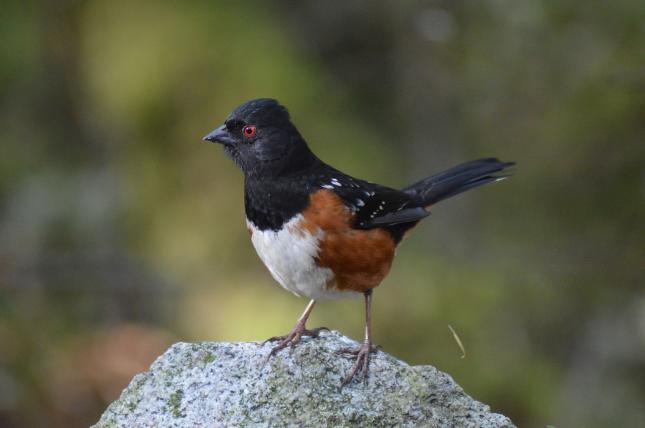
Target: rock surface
(224,384)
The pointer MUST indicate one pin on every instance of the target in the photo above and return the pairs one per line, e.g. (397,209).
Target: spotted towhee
(321,233)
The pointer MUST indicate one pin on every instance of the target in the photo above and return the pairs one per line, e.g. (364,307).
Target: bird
(321,233)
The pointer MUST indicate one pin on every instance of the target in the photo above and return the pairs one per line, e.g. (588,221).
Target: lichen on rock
(226,384)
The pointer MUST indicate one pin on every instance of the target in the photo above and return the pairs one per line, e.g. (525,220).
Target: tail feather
(456,180)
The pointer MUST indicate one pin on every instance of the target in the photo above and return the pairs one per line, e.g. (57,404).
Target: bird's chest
(290,254)
(316,253)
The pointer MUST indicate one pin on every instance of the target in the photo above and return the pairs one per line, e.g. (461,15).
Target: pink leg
(366,349)
(296,333)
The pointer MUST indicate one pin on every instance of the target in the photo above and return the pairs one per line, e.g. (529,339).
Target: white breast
(289,254)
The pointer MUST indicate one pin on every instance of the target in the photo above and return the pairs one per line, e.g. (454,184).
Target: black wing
(373,205)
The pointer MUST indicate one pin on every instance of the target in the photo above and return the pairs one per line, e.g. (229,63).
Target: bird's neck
(271,202)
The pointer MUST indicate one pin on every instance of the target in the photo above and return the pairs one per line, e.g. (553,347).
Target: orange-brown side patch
(360,259)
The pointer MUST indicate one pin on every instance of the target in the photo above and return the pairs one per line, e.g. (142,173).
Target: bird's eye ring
(249,131)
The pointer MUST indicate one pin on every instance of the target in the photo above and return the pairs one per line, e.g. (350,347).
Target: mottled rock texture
(225,385)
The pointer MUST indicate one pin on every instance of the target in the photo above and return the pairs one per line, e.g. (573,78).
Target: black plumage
(281,172)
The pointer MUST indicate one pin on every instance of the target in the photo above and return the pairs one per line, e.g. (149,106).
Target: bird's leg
(362,363)
(298,331)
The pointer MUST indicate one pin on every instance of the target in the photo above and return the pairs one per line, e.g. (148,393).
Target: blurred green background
(122,232)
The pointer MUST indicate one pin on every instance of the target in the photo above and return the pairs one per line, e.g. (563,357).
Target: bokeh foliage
(121,231)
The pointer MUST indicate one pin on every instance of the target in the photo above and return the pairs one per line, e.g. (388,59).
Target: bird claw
(291,339)
(353,352)
(296,334)
(362,364)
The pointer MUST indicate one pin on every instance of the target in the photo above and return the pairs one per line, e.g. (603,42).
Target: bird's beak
(220,135)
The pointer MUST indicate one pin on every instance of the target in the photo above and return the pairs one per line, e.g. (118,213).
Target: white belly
(290,254)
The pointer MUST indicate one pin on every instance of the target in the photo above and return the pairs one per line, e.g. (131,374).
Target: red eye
(249,131)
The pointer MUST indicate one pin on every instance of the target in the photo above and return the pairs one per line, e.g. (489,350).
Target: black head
(260,138)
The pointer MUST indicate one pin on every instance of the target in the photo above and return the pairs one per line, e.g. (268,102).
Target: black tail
(456,180)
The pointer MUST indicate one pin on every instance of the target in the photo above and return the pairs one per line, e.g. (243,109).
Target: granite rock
(225,384)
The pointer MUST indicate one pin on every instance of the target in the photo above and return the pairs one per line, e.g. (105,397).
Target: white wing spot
(360,202)
(327,186)
(335,182)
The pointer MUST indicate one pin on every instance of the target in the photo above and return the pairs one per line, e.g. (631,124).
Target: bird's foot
(292,338)
(362,364)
